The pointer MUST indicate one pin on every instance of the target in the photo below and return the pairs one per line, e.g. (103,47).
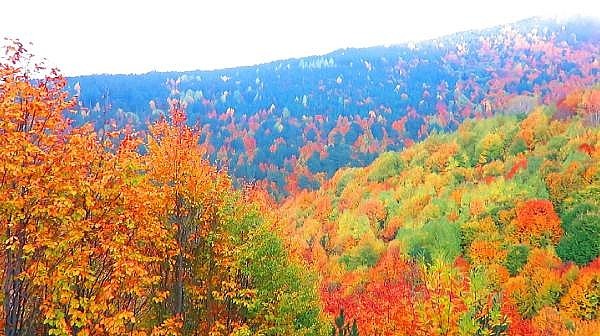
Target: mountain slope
(492,229)
(292,123)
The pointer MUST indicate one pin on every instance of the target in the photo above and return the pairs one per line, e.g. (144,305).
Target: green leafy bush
(516,258)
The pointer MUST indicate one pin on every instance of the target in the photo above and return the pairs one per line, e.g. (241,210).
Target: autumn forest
(448,187)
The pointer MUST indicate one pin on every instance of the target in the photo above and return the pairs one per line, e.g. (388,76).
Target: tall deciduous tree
(82,243)
(31,136)
(229,273)
(193,194)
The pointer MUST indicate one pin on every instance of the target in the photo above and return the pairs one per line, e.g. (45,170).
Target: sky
(135,36)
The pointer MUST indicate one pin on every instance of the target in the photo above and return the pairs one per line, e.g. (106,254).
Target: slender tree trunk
(15,297)
(210,310)
(179,259)
(179,284)
(210,300)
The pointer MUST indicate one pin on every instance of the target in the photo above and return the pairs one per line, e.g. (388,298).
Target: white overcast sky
(134,36)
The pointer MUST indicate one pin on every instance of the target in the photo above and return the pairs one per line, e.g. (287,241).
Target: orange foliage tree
(384,305)
(537,221)
(585,103)
(581,300)
(82,244)
(193,192)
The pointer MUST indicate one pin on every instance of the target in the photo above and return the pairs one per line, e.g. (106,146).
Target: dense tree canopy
(435,240)
(306,118)
(475,212)
(113,233)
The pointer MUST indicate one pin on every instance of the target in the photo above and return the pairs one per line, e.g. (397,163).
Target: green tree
(581,222)
(284,299)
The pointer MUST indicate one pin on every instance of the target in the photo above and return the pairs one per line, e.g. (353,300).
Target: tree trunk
(15,297)
(179,259)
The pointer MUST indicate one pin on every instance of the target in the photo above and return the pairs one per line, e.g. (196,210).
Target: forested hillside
(448,187)
(289,125)
(491,230)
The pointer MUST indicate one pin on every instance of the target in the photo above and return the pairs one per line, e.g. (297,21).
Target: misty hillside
(289,124)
